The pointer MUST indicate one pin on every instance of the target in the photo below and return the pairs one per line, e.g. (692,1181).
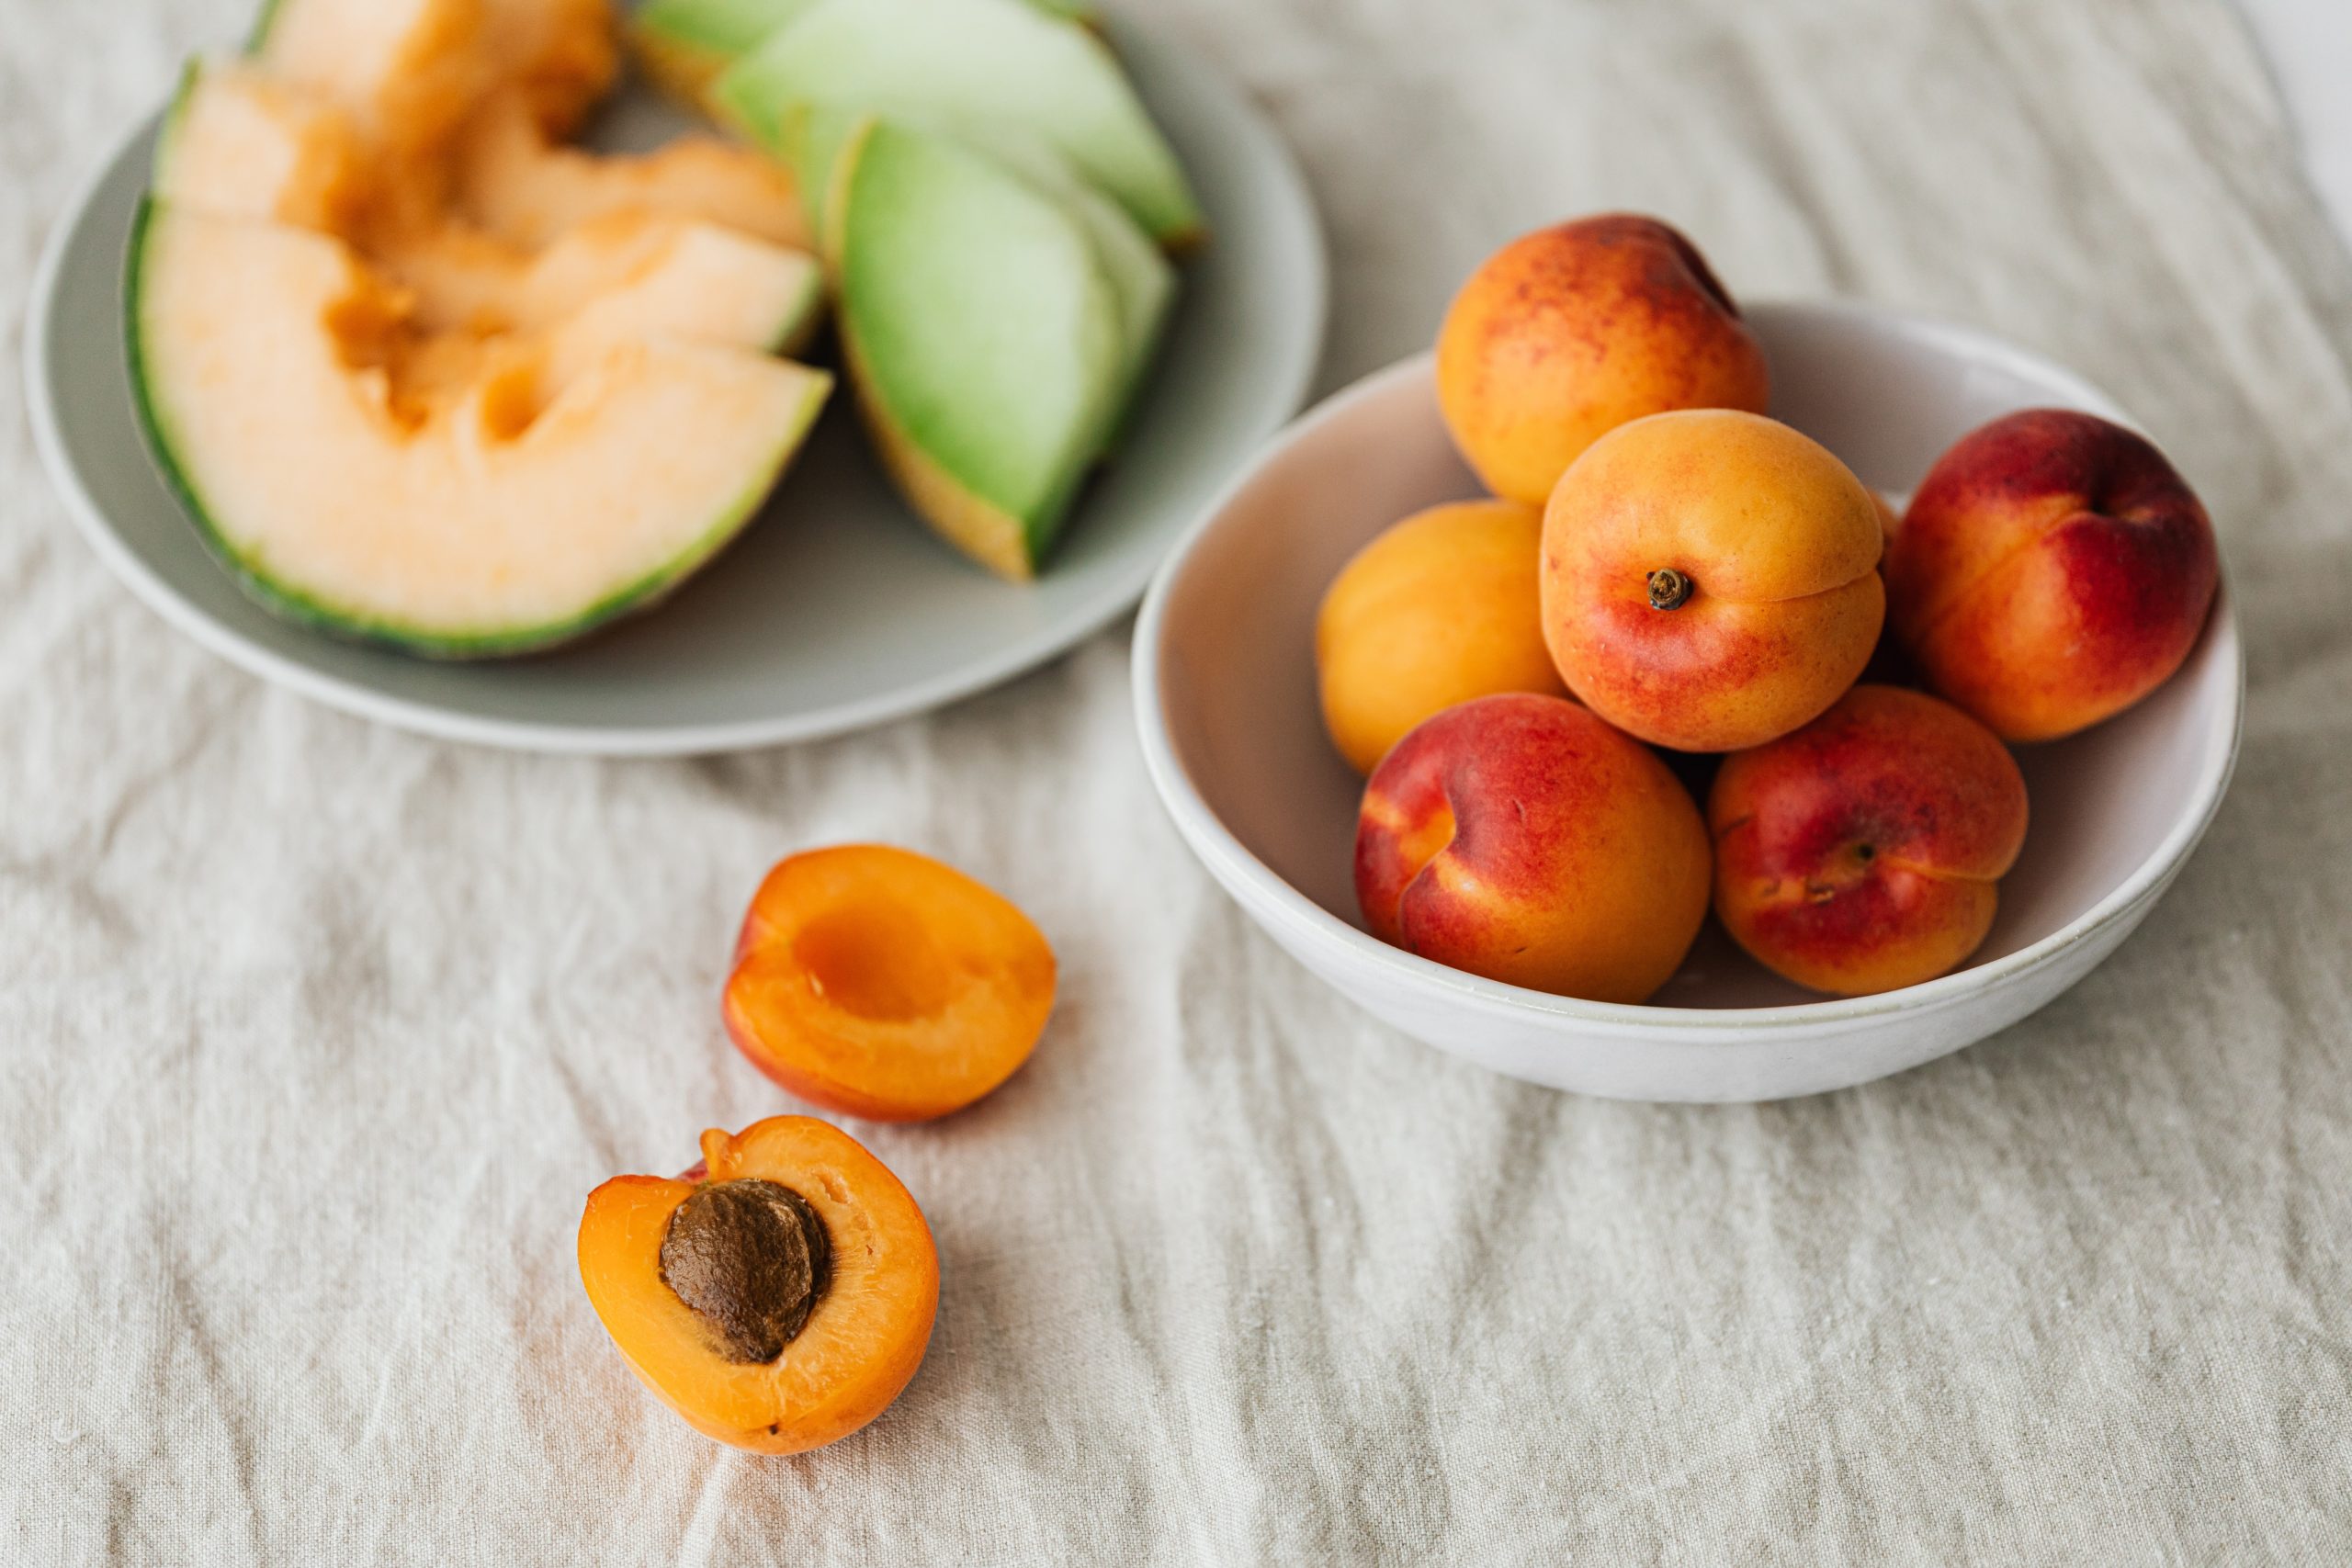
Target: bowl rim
(1268,897)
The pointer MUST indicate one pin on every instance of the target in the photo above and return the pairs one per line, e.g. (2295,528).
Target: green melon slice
(982,337)
(686,43)
(1137,271)
(969,63)
(453,496)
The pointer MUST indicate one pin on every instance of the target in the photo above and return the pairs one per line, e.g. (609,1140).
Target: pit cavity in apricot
(880,983)
(778,1296)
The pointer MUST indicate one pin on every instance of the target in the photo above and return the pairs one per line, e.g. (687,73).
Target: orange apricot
(1568,333)
(1437,609)
(1711,578)
(778,1297)
(1865,853)
(1520,837)
(879,982)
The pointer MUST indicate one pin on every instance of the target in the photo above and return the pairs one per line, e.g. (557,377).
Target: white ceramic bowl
(1224,697)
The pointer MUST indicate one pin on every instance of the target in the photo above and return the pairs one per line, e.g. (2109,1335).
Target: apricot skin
(2052,570)
(1520,837)
(1862,853)
(1439,609)
(1780,543)
(1569,331)
(861,1343)
(879,982)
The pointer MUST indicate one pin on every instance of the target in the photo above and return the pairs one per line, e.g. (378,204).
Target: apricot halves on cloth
(778,1297)
(879,982)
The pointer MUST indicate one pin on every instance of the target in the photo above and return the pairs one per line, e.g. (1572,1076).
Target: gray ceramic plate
(837,609)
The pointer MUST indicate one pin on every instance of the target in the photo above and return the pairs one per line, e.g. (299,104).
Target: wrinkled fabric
(313,1035)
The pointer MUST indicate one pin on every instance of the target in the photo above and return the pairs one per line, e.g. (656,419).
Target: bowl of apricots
(1655,697)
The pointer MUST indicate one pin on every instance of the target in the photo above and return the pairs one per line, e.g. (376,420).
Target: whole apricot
(1568,333)
(2052,570)
(1520,837)
(1439,609)
(1710,578)
(1862,853)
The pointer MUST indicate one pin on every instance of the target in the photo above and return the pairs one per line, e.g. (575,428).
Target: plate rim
(422,716)
(1271,899)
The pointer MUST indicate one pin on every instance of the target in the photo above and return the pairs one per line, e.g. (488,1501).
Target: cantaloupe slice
(242,143)
(969,62)
(513,182)
(983,339)
(410,71)
(453,495)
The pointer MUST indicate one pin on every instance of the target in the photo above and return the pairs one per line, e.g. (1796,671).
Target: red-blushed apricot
(879,982)
(1520,837)
(1862,853)
(1569,331)
(778,1297)
(2053,570)
(1710,578)
(1439,609)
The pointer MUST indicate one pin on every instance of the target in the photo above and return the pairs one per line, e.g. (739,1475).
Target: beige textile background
(312,1036)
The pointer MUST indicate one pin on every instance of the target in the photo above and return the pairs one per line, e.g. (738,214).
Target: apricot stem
(1668,589)
(752,1258)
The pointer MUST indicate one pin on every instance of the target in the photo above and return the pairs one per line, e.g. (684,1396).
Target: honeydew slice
(686,43)
(969,63)
(454,496)
(982,337)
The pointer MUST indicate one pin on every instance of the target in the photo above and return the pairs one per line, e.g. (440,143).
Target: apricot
(1862,853)
(1439,609)
(1710,578)
(778,1297)
(1520,837)
(2053,570)
(879,982)
(1568,333)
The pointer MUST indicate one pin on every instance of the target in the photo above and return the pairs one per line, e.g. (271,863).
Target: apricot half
(879,982)
(778,1300)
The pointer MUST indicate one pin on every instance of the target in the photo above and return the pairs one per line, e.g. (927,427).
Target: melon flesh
(982,337)
(454,496)
(512,182)
(244,144)
(407,71)
(969,62)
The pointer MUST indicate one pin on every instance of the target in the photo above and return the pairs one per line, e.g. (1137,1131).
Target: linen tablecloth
(316,1034)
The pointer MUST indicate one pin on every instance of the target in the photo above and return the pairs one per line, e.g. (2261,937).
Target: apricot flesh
(1439,609)
(1863,852)
(883,983)
(1710,578)
(1520,837)
(2053,570)
(860,1341)
(1569,331)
